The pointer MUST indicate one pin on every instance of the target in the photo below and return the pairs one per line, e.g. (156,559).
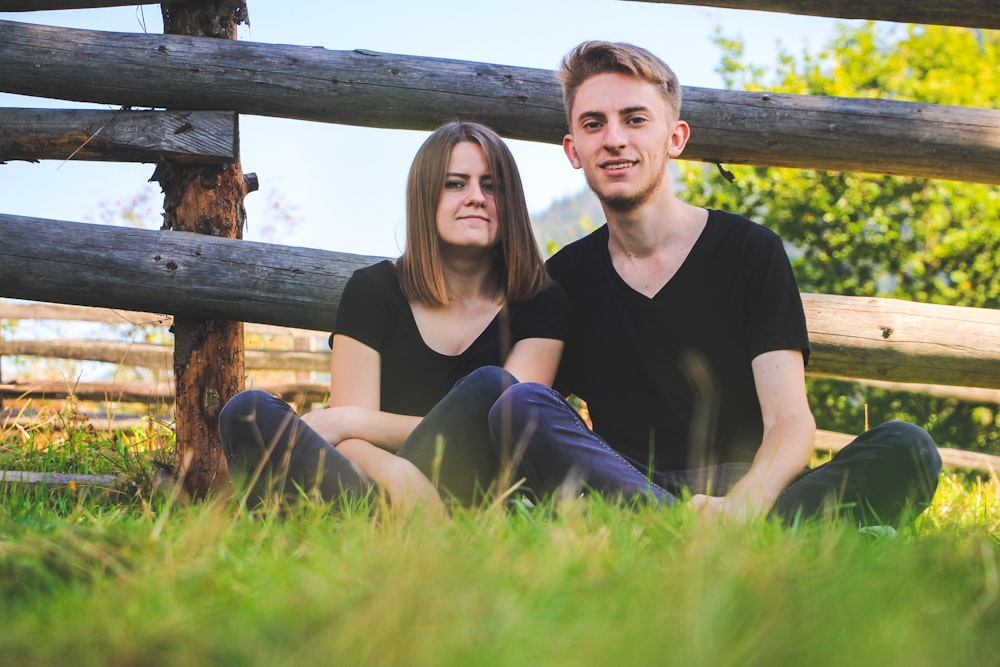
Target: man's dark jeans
(884,476)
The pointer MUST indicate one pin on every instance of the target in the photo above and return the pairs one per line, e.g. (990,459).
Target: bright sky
(347,183)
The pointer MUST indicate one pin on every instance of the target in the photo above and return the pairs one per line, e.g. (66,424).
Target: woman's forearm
(339,423)
(402,481)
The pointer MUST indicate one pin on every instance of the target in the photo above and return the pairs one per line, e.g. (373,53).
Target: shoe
(877,532)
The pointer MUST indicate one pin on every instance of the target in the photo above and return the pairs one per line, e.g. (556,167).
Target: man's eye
(591,125)
(636,120)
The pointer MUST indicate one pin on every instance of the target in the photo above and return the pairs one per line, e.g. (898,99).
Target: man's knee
(913,445)
(516,406)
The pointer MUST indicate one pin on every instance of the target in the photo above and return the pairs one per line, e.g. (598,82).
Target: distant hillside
(567,220)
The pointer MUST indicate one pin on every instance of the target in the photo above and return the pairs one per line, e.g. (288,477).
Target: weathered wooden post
(208,354)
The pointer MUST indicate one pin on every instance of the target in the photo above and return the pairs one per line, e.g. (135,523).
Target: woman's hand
(408,488)
(403,483)
(335,424)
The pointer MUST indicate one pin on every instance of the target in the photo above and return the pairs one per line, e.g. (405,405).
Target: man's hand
(726,507)
(707,505)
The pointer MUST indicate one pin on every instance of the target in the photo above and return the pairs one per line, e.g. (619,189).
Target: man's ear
(570,151)
(678,138)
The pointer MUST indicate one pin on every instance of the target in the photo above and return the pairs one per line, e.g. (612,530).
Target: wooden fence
(305,364)
(291,363)
(199,278)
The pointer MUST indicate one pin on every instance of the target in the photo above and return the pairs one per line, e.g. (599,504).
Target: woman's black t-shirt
(374,311)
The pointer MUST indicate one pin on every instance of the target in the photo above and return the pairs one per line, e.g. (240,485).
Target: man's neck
(653,227)
(649,245)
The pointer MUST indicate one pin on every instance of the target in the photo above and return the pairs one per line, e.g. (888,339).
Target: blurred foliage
(859,234)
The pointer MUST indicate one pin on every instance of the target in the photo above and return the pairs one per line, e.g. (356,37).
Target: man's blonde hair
(592,58)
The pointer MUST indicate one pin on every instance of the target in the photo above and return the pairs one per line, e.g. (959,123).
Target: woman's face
(467,211)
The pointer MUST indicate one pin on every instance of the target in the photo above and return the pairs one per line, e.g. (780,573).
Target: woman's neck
(470,278)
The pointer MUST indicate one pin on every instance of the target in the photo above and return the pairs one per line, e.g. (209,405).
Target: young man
(688,340)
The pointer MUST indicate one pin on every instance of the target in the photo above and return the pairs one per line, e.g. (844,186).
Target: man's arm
(787,445)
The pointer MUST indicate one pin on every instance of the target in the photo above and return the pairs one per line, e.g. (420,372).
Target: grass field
(91,577)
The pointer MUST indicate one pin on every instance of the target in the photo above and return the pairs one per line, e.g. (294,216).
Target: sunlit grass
(138,579)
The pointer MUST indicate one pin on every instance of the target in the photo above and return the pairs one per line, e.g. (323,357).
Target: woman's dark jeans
(884,476)
(269,446)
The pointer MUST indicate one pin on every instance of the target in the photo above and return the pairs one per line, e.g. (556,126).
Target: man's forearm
(784,452)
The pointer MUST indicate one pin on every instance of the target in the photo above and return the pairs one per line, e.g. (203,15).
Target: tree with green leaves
(873,235)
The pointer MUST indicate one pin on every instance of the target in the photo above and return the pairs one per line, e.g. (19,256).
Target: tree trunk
(208,354)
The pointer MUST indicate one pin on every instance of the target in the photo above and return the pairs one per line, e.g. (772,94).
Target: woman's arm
(353,408)
(534,360)
(355,386)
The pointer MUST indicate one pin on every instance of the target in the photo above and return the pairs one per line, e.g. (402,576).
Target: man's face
(622,135)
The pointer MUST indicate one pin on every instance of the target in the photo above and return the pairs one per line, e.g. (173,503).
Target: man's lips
(617,165)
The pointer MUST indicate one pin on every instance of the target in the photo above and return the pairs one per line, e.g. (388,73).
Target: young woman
(423,346)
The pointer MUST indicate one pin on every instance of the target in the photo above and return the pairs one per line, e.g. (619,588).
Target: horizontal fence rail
(970,13)
(205,277)
(194,137)
(371,89)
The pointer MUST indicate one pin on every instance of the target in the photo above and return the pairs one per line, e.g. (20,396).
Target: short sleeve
(364,313)
(545,315)
(777,320)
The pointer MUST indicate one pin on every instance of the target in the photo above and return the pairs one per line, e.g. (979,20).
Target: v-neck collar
(695,250)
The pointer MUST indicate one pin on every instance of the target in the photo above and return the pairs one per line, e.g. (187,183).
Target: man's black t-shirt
(668,380)
(374,311)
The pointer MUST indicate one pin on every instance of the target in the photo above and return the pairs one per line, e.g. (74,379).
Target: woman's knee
(249,414)
(243,406)
(490,380)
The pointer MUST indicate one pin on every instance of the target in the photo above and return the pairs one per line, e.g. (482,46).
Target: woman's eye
(487,186)
(453,185)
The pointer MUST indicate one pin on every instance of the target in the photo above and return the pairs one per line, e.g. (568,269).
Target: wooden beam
(214,278)
(903,341)
(951,458)
(965,394)
(964,13)
(12,310)
(145,392)
(156,357)
(371,89)
(46,5)
(970,14)
(200,137)
(179,273)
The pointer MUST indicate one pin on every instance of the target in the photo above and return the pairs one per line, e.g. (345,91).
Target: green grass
(125,580)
